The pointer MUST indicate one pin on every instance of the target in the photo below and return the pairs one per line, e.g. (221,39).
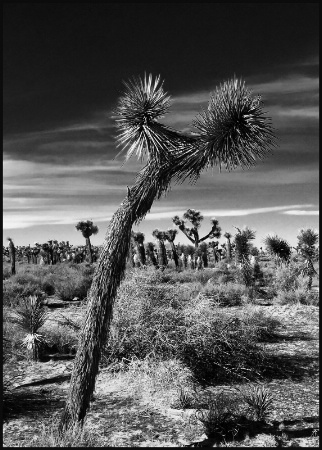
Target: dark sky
(65,59)
(63,68)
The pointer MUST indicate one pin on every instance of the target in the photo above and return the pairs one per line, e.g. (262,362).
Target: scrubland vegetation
(175,335)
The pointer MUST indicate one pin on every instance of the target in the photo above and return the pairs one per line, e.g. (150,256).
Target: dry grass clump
(229,294)
(48,436)
(156,381)
(64,280)
(298,296)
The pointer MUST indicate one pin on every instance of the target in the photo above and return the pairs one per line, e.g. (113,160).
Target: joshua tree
(150,252)
(138,238)
(170,236)
(307,240)
(30,318)
(12,255)
(160,236)
(195,218)
(233,131)
(87,228)
(278,248)
(242,252)
(214,246)
(228,245)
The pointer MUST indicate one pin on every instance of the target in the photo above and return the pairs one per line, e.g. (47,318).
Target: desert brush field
(194,357)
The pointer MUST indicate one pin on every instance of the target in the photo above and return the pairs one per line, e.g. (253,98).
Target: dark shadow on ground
(275,338)
(18,403)
(248,428)
(290,367)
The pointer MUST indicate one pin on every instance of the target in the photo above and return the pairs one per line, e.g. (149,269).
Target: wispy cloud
(301,212)
(64,215)
(225,212)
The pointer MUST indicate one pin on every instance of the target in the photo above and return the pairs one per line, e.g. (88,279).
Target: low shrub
(6,273)
(297,296)
(221,349)
(65,280)
(287,278)
(262,324)
(158,320)
(229,294)
(157,381)
(14,291)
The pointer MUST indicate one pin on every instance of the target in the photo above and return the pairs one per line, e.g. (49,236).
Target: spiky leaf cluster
(171,234)
(215,230)
(259,399)
(234,131)
(179,222)
(307,240)
(31,316)
(242,244)
(278,247)
(143,102)
(194,216)
(158,234)
(138,237)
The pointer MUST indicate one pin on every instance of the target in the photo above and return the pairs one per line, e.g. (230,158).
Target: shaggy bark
(108,275)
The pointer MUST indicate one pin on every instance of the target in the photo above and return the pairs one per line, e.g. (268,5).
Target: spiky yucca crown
(307,239)
(233,130)
(242,244)
(278,247)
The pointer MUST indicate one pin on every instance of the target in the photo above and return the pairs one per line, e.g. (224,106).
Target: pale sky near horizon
(63,70)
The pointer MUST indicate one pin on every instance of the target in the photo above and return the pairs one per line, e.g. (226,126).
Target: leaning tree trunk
(107,278)
(89,249)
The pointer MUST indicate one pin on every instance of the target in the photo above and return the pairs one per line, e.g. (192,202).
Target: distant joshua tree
(307,241)
(138,238)
(242,253)
(232,132)
(228,236)
(195,218)
(160,236)
(12,255)
(150,252)
(170,236)
(88,229)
